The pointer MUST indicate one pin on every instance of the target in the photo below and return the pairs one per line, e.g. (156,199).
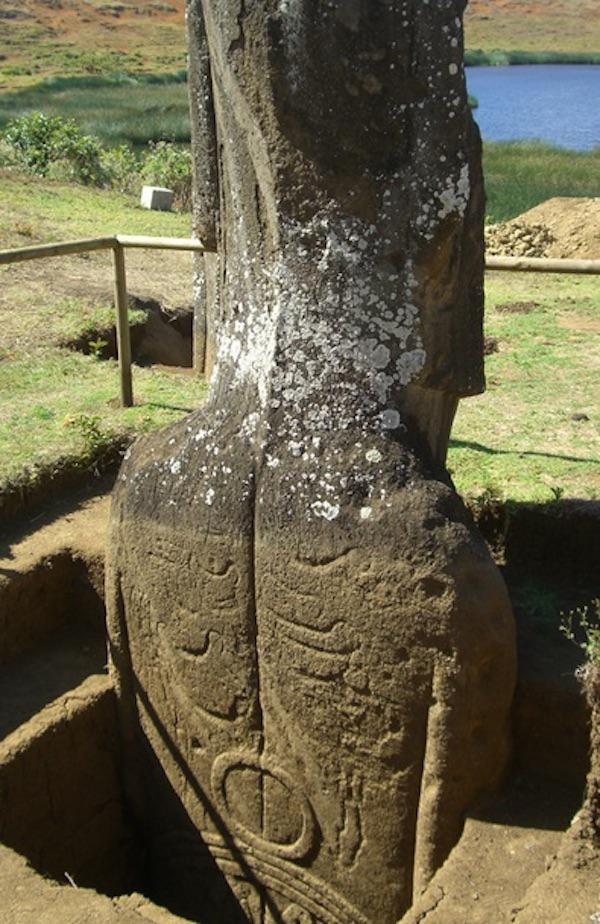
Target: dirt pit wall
(62,807)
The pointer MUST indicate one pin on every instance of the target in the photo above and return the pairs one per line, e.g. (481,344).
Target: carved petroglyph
(306,630)
(294,914)
(350,834)
(294,889)
(263,772)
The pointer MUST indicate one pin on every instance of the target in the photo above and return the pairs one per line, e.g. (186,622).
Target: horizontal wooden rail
(542,265)
(119,242)
(161,243)
(36,251)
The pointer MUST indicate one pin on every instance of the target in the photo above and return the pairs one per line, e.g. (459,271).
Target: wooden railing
(543,265)
(119,242)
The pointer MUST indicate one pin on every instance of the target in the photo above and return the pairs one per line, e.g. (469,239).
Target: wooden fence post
(123,338)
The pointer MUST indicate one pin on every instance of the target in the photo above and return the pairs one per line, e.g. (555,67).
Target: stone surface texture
(313,649)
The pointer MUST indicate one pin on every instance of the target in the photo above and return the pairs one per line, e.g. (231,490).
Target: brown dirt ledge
(30,899)
(513,865)
(516,868)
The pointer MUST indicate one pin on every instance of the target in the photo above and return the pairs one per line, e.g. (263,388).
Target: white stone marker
(157,198)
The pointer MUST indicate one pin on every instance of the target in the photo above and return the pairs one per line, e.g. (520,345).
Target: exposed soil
(506,845)
(164,337)
(518,860)
(518,307)
(560,227)
(490,345)
(60,798)
(31,499)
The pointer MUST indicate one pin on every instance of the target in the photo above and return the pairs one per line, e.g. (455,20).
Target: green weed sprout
(582,627)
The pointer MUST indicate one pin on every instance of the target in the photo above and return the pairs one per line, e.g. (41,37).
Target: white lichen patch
(291,13)
(325,510)
(326,336)
(455,197)
(390,419)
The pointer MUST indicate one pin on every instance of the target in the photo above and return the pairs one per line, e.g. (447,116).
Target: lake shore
(502,57)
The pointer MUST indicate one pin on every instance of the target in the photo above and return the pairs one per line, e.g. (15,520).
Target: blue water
(558,103)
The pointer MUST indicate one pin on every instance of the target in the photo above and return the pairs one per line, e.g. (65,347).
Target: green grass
(35,210)
(36,54)
(50,300)
(59,407)
(518,440)
(476,57)
(521,174)
(117,110)
(63,405)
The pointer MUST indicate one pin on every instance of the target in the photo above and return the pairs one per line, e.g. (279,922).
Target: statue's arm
(204,140)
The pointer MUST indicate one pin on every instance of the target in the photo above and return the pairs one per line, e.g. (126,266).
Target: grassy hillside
(42,38)
(533,25)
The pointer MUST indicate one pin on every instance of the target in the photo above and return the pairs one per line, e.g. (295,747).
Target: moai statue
(313,649)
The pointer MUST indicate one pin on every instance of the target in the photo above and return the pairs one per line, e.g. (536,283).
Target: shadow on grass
(479,447)
(170,407)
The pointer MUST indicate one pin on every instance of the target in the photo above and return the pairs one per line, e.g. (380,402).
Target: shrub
(41,141)
(32,137)
(169,165)
(57,148)
(121,167)
(582,626)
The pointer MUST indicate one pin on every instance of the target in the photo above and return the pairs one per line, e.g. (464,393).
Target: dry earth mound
(560,227)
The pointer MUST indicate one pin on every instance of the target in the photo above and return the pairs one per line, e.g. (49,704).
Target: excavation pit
(164,337)
(63,808)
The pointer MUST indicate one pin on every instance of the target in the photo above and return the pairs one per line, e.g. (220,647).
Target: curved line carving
(232,760)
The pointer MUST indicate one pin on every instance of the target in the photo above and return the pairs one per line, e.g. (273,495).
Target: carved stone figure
(313,649)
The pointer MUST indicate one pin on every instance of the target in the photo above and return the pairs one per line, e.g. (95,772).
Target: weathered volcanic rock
(313,648)
(592,805)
